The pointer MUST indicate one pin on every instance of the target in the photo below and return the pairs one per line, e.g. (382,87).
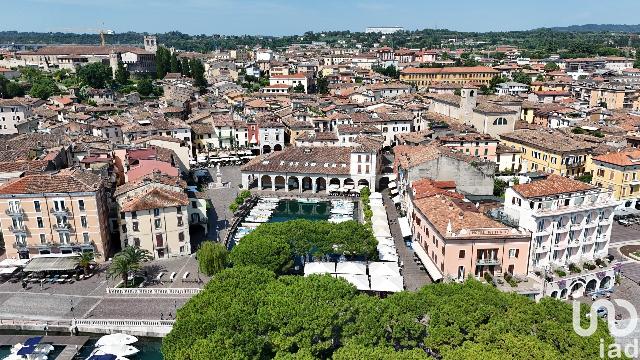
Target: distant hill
(598,28)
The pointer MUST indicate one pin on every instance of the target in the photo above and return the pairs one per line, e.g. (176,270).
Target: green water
(149,349)
(292,210)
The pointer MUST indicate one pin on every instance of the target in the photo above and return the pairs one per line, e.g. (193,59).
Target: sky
(284,17)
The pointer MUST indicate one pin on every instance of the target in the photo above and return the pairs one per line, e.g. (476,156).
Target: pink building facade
(455,240)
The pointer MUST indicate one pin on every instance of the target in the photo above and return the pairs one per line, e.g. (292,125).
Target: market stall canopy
(387,283)
(351,267)
(384,268)
(52,263)
(361,282)
(312,268)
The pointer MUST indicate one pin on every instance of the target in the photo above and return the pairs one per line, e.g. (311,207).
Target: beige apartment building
(154,216)
(424,77)
(57,213)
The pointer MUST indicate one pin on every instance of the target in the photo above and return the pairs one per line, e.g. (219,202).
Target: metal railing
(123,323)
(14,212)
(153,291)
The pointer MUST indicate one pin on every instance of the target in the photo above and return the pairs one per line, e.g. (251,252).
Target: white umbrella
(116,339)
(319,268)
(351,267)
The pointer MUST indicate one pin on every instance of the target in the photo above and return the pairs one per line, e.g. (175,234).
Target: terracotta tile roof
(86,50)
(628,157)
(317,160)
(64,181)
(552,185)
(290,76)
(426,187)
(156,198)
(555,141)
(155,177)
(447,212)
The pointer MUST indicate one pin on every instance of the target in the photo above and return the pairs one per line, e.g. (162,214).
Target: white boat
(30,350)
(116,339)
(117,350)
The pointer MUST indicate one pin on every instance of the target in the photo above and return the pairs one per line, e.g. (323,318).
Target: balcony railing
(20,228)
(60,211)
(19,245)
(487,262)
(15,212)
(62,227)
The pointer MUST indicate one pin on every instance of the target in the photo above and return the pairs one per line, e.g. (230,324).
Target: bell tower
(151,43)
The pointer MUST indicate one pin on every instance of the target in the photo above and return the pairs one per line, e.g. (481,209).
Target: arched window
(500,121)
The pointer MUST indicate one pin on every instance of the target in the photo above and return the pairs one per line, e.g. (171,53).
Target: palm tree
(85,260)
(127,261)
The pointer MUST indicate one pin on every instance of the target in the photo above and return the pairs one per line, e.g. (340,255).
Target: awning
(392,185)
(52,263)
(319,268)
(432,269)
(8,270)
(388,257)
(361,282)
(405,229)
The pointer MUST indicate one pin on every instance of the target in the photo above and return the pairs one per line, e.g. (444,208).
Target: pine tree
(175,65)
(185,67)
(122,74)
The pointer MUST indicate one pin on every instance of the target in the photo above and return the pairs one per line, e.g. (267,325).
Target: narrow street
(414,277)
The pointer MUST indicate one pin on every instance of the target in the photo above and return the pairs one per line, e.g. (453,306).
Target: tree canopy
(268,252)
(96,75)
(320,238)
(249,313)
(212,258)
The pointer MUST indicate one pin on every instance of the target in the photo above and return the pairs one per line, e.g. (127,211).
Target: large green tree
(175,66)
(249,313)
(96,75)
(43,88)
(270,253)
(122,74)
(163,62)
(521,77)
(212,258)
(145,87)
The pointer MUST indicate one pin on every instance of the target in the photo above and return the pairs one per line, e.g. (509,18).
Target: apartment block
(57,213)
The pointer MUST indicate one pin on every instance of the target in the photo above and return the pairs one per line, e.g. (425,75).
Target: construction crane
(101,31)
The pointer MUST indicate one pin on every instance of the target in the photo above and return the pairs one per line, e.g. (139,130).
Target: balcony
(62,227)
(559,246)
(576,226)
(601,239)
(574,243)
(18,229)
(590,224)
(487,262)
(60,211)
(19,245)
(15,212)
(541,249)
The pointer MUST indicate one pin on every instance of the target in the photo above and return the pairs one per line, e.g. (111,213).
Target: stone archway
(383,183)
(277,147)
(334,181)
(554,294)
(564,293)
(577,289)
(592,285)
(349,181)
(321,184)
(266,149)
(280,182)
(307,184)
(363,182)
(293,183)
(605,283)
(266,182)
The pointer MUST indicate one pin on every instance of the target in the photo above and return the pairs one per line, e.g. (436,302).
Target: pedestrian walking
(161,316)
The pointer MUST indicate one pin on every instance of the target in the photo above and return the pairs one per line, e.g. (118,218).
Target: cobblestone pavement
(414,277)
(621,233)
(219,214)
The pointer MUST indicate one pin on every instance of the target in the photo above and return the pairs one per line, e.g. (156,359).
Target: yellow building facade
(423,77)
(549,151)
(620,172)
